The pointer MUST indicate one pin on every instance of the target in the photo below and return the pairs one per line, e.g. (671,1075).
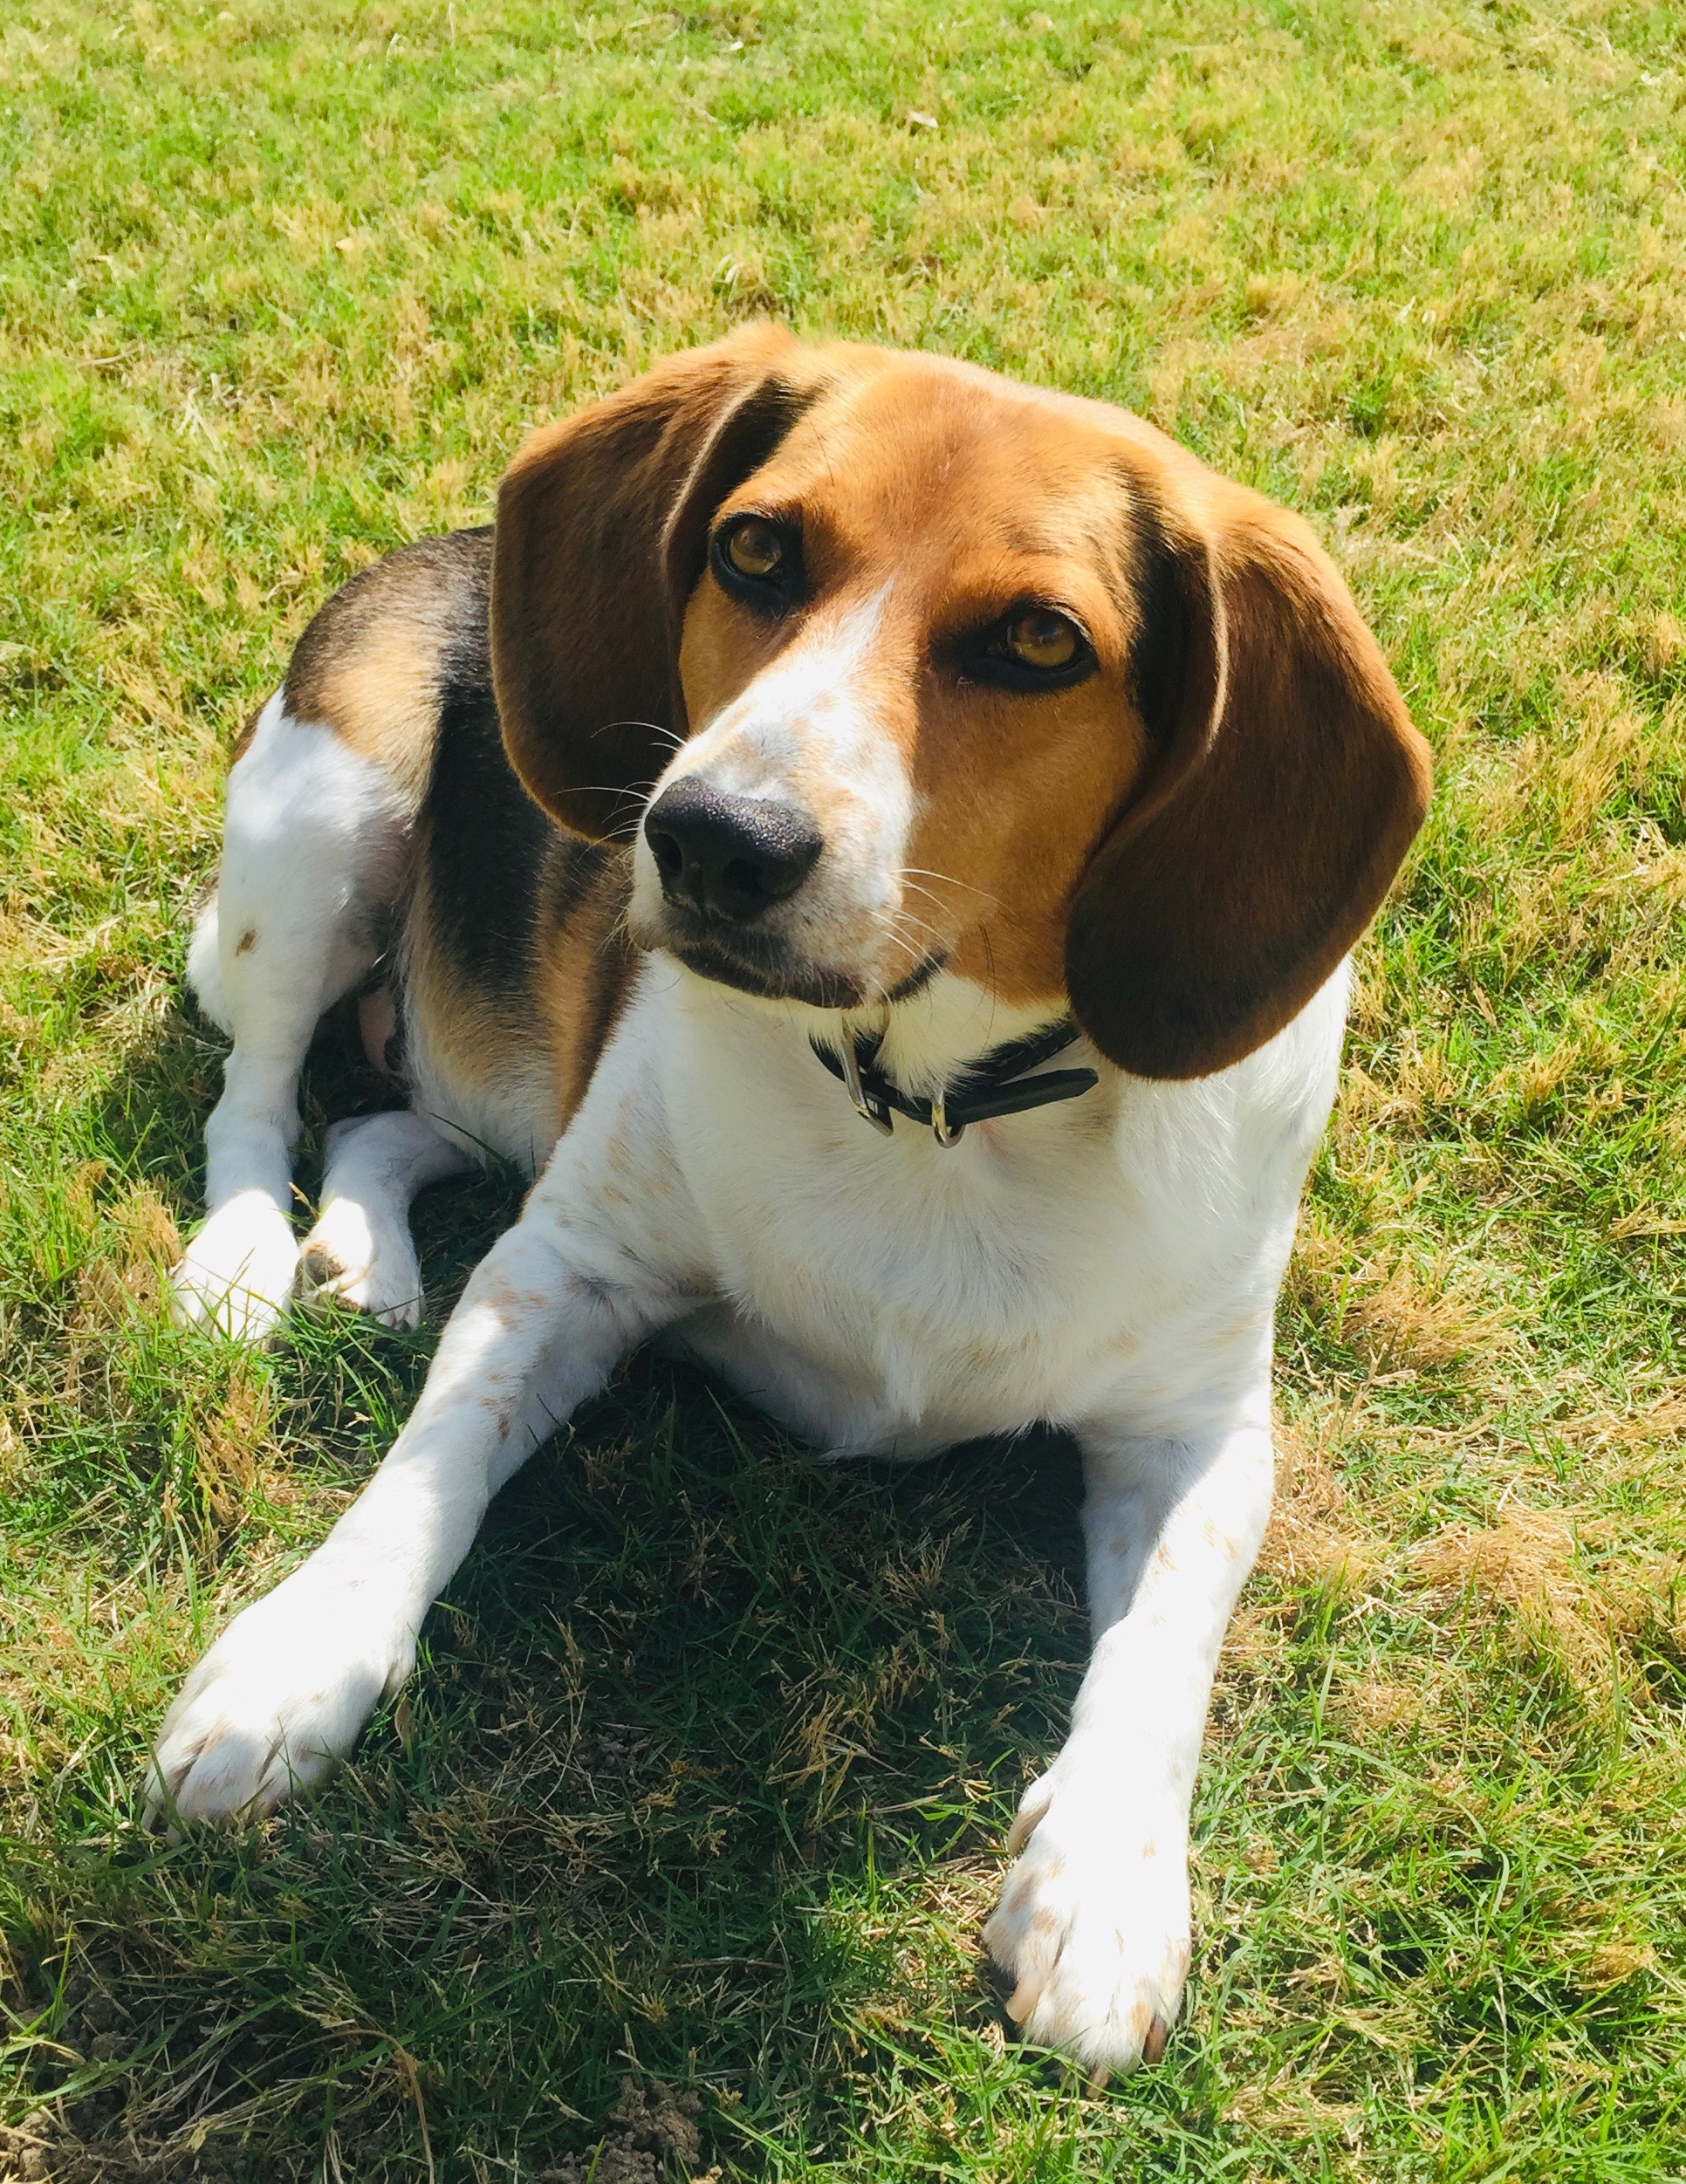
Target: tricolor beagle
(880,844)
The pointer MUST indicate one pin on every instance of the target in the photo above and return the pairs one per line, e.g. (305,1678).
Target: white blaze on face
(809,730)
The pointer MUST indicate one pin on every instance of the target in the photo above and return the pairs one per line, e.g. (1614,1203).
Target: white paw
(279,1697)
(360,1259)
(1092,1925)
(237,1275)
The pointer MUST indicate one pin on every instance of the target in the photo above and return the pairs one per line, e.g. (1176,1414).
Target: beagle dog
(880,845)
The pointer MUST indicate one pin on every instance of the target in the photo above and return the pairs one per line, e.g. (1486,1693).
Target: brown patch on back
(380,698)
(243,742)
(557,1015)
(373,662)
(513,960)
(586,963)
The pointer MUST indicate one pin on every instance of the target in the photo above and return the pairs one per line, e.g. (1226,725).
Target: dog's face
(905,670)
(927,670)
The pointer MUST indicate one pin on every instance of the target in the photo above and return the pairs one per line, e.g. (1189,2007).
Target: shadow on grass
(699,1780)
(150,1119)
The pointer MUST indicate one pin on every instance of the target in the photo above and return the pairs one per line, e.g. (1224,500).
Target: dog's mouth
(756,963)
(770,972)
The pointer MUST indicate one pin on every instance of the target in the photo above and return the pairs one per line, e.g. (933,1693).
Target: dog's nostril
(728,855)
(744,878)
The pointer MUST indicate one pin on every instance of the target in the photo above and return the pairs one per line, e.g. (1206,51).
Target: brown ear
(1290,785)
(601,533)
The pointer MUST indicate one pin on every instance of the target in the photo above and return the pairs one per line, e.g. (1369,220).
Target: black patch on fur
(1160,649)
(500,872)
(485,837)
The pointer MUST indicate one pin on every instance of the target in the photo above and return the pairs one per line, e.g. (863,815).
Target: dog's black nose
(731,856)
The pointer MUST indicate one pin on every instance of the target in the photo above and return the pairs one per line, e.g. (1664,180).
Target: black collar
(987,1086)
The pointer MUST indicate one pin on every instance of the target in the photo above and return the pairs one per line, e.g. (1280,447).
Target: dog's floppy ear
(601,534)
(1289,784)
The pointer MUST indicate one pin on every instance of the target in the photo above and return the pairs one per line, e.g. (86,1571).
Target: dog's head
(886,664)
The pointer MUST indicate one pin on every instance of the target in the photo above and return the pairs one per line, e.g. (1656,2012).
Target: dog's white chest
(934,1300)
(889,1295)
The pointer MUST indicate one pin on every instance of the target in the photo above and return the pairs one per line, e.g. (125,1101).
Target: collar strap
(994,1084)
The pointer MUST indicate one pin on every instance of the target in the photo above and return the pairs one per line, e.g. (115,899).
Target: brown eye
(1042,640)
(753,548)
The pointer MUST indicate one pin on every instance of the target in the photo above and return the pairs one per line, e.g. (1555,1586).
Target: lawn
(674,1856)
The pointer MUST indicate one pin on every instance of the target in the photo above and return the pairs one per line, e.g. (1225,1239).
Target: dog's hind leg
(314,851)
(360,1253)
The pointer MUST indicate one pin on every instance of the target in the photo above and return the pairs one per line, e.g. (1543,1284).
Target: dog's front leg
(284,1691)
(1092,1926)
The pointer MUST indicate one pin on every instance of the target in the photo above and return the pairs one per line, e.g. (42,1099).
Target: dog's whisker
(922,926)
(913,887)
(920,872)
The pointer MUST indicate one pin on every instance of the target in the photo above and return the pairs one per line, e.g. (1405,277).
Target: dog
(881,845)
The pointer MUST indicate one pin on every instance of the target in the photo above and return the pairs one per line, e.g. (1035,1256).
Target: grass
(675,1854)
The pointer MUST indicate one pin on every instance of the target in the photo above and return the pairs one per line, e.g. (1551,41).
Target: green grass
(703,1782)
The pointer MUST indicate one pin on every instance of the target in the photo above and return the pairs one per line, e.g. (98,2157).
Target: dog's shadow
(730,1727)
(707,1765)
(148,1118)
(706,1733)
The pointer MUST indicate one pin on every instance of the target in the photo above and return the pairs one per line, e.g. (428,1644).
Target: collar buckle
(996,1084)
(867,1108)
(940,1129)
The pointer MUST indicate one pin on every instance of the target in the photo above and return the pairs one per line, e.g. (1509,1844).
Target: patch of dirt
(651,2131)
(37,2151)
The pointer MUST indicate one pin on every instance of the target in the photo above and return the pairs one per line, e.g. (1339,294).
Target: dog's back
(377,837)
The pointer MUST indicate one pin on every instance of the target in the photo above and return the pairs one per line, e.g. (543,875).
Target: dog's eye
(753,548)
(1035,649)
(1040,639)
